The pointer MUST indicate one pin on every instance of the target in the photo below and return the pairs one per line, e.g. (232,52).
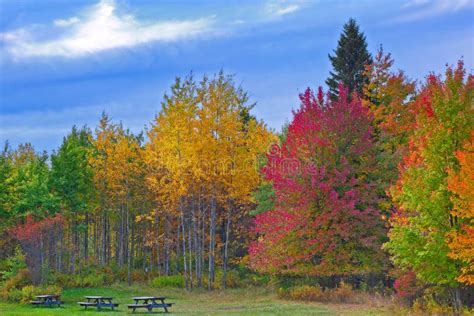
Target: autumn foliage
(326,220)
(38,240)
(461,184)
(425,191)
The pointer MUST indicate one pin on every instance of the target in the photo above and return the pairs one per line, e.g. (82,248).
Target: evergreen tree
(349,60)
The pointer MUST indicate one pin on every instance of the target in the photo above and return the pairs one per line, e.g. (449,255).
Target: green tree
(349,60)
(5,173)
(29,192)
(72,181)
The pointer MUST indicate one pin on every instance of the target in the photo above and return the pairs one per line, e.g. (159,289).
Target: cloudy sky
(63,62)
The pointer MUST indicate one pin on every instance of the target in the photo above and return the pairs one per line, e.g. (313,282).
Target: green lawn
(235,302)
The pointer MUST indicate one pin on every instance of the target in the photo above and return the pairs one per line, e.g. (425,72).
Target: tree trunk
(130,256)
(455,295)
(86,238)
(212,232)
(226,246)
(186,279)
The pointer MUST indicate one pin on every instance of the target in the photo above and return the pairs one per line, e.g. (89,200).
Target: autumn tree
(119,179)
(326,220)
(39,240)
(461,185)
(389,96)
(201,155)
(444,121)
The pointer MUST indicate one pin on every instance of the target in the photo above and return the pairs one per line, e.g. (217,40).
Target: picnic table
(98,302)
(47,300)
(149,302)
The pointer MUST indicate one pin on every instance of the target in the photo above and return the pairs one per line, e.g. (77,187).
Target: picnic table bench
(98,302)
(149,302)
(47,300)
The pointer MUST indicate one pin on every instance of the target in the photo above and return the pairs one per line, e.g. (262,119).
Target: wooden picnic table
(149,302)
(47,300)
(98,302)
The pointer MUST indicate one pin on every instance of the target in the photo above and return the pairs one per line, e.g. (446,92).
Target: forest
(369,188)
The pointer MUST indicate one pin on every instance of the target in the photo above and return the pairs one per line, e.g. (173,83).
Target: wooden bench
(98,302)
(150,307)
(47,300)
(149,302)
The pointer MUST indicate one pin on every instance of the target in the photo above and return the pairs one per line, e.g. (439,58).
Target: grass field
(253,301)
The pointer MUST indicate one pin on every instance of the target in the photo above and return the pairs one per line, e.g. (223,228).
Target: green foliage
(176,281)
(71,175)
(443,124)
(27,185)
(13,265)
(5,174)
(265,198)
(349,60)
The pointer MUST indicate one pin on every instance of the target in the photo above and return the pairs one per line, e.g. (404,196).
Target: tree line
(372,177)
(177,203)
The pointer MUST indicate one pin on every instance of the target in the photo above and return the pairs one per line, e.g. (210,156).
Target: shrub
(233,279)
(307,293)
(176,281)
(406,287)
(344,294)
(138,276)
(91,280)
(13,265)
(28,293)
(19,280)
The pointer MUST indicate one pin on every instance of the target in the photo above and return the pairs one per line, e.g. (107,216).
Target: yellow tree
(169,158)
(105,135)
(229,142)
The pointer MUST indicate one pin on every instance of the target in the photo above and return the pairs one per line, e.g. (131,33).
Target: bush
(13,265)
(176,281)
(407,288)
(138,276)
(29,292)
(342,294)
(17,281)
(307,293)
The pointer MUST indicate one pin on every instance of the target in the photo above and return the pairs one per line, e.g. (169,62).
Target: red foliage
(405,285)
(31,231)
(38,240)
(325,220)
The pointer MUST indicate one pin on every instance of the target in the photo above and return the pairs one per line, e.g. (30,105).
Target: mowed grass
(252,301)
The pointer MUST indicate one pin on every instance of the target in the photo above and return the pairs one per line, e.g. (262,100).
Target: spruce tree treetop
(349,60)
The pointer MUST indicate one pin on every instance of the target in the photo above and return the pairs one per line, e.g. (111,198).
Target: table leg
(164,306)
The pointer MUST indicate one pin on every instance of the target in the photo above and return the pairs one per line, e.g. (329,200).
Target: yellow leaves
(204,140)
(117,161)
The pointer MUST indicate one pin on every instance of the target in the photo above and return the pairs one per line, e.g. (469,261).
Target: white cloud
(66,22)
(420,9)
(287,10)
(277,8)
(100,29)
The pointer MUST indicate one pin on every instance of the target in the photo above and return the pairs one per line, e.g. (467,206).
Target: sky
(64,62)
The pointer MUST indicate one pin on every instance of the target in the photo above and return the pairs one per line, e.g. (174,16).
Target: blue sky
(64,62)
